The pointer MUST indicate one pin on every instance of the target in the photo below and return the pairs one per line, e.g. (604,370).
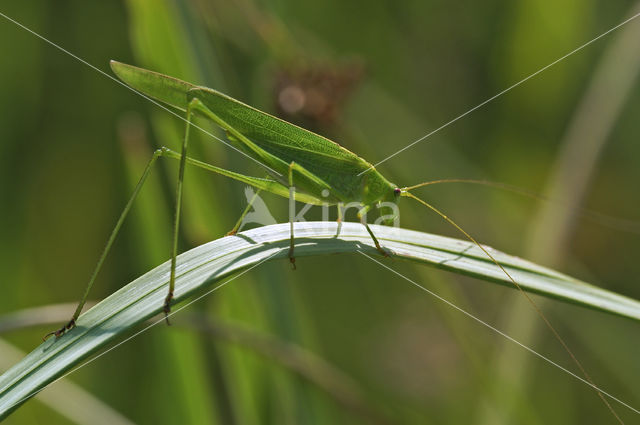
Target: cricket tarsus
(167,307)
(380,249)
(70,325)
(292,258)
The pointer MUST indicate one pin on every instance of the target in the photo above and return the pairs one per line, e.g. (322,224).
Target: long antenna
(613,222)
(406,193)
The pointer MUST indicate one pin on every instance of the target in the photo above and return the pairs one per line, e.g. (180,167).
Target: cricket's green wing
(251,122)
(327,160)
(320,156)
(166,89)
(175,93)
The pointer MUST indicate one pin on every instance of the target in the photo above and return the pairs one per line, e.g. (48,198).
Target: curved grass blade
(200,268)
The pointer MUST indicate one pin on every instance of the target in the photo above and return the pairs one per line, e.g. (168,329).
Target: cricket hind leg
(114,233)
(178,207)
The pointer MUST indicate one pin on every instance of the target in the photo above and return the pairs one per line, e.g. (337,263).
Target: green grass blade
(202,267)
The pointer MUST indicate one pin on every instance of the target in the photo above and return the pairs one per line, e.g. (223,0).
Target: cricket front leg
(112,237)
(362,216)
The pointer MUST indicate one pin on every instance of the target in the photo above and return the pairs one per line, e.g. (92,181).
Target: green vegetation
(375,78)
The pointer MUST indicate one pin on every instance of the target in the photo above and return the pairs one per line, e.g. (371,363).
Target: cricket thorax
(375,188)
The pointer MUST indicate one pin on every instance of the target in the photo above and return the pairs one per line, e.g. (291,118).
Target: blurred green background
(381,75)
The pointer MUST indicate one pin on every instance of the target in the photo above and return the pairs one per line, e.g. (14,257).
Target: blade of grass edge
(201,267)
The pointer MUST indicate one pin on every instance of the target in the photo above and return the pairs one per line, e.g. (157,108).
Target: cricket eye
(397,191)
